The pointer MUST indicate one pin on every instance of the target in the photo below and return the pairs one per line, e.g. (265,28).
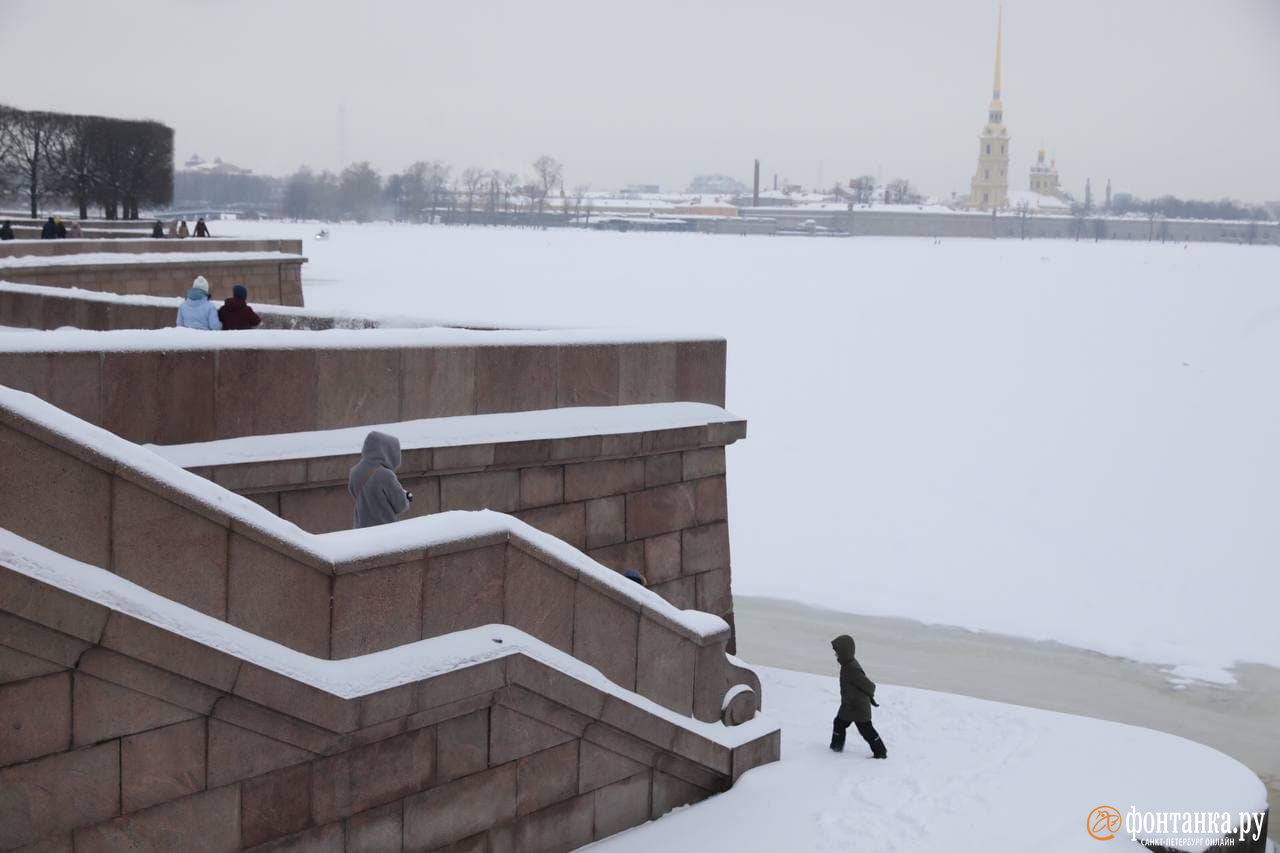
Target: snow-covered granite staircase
(184,669)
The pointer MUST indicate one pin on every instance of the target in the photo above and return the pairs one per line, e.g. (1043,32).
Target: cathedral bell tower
(990,185)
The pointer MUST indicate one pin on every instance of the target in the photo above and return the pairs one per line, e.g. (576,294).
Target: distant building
(1044,176)
(722,184)
(640,189)
(217,167)
(990,185)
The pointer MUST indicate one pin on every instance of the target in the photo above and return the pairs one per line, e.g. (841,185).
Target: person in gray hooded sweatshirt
(857,696)
(373,482)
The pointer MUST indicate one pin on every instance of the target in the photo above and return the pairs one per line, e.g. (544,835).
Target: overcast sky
(1162,96)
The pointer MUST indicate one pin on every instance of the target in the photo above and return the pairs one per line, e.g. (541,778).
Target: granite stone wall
(63,248)
(271,281)
(55,308)
(651,501)
(116,734)
(226,391)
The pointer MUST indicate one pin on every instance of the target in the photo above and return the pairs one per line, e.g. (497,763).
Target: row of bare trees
(117,164)
(862,190)
(429,190)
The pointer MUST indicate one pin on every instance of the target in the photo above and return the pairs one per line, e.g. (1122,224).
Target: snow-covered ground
(1059,440)
(962,774)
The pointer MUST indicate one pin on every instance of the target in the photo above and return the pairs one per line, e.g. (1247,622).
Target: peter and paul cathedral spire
(990,185)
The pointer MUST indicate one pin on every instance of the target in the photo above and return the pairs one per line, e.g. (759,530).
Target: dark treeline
(433,192)
(1172,207)
(116,164)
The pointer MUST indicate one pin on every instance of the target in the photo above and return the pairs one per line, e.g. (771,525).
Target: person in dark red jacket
(235,312)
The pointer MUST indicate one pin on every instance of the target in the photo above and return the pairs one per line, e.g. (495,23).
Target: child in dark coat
(857,696)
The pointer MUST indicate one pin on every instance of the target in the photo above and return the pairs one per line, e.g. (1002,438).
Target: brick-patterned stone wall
(62,248)
(76,502)
(116,735)
(272,282)
(227,391)
(652,501)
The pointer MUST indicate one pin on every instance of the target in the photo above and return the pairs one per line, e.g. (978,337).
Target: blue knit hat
(240,292)
(632,574)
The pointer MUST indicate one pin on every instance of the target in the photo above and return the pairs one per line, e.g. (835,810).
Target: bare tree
(473,179)
(28,136)
(548,173)
(1098,227)
(579,193)
(862,189)
(1023,212)
(72,160)
(900,191)
(1152,210)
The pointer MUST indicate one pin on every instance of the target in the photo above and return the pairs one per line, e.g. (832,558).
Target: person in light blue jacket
(198,312)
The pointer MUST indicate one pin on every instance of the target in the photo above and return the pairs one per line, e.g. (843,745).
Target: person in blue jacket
(197,312)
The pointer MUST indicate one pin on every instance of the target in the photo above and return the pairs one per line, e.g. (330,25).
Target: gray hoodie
(373,483)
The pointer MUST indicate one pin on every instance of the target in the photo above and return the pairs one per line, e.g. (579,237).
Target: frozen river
(1048,439)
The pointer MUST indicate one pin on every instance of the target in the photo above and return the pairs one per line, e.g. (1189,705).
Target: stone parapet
(119,734)
(146,393)
(128,244)
(273,280)
(653,501)
(26,306)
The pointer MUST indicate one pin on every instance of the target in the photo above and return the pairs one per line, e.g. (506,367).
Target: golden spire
(995,87)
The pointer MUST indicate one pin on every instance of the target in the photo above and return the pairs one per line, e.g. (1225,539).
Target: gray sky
(1177,96)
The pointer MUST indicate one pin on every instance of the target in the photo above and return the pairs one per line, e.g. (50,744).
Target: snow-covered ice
(1058,440)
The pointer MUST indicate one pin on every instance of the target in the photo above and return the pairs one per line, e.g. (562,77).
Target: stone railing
(275,278)
(143,737)
(29,306)
(651,500)
(171,388)
(138,246)
(93,497)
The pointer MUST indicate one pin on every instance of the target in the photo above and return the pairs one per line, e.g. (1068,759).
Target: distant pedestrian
(62,228)
(173,230)
(50,230)
(6,231)
(157,231)
(236,313)
(183,231)
(75,232)
(857,696)
(373,483)
(197,312)
(202,230)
